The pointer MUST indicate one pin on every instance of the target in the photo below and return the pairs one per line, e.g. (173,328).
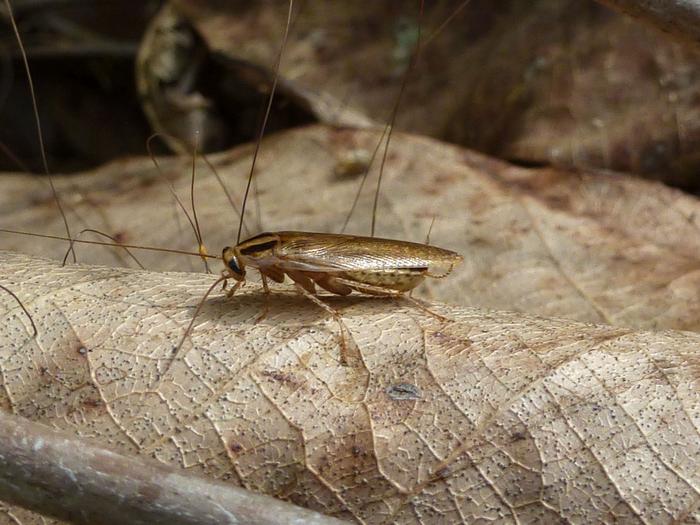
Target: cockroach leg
(266,300)
(343,341)
(233,289)
(378,290)
(188,330)
(418,304)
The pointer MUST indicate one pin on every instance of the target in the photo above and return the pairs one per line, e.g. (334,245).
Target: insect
(340,264)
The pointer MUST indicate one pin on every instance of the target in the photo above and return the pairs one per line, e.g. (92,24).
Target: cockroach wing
(324,252)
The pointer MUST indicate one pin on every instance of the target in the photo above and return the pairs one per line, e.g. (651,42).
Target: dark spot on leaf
(443,472)
(403,392)
(280,377)
(92,403)
(518,436)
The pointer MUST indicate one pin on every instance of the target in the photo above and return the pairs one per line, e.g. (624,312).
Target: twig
(60,475)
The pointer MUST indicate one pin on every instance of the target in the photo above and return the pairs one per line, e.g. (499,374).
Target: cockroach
(339,264)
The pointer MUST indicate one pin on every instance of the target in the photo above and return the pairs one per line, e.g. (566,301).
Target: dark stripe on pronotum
(258,247)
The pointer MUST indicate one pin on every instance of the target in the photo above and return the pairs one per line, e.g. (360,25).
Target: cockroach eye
(232,264)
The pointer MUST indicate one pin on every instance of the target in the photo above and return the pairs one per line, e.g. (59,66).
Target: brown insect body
(339,263)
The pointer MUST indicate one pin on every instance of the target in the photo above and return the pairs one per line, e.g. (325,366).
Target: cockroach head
(232,262)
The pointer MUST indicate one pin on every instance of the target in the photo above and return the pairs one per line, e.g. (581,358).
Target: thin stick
(37,120)
(267,116)
(414,59)
(31,320)
(99,243)
(58,474)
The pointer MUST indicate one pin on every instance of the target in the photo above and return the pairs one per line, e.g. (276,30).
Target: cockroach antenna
(388,128)
(394,112)
(101,243)
(387,132)
(266,117)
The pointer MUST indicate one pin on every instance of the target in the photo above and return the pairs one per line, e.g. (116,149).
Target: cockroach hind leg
(344,352)
(419,304)
(376,290)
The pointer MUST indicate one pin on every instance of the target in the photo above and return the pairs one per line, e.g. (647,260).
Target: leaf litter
(518,417)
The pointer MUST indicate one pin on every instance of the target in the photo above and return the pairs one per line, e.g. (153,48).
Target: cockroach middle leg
(266,299)
(343,329)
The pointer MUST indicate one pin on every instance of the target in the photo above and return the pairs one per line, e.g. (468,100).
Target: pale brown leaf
(494,416)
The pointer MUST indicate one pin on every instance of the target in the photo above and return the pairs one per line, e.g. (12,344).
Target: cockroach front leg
(234,288)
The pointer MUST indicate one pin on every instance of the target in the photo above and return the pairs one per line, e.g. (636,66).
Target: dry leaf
(494,416)
(571,82)
(677,17)
(591,247)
